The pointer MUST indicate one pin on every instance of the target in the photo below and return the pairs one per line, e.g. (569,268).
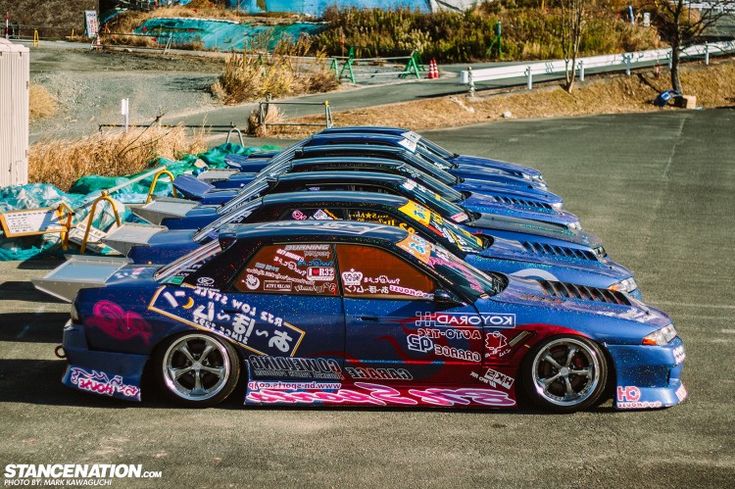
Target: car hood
(488,191)
(463,160)
(544,302)
(474,185)
(488,222)
(507,249)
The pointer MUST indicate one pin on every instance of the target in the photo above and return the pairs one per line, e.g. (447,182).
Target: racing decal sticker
(351,278)
(295,368)
(629,397)
(205,282)
(365,393)
(417,246)
(323,215)
(117,323)
(496,320)
(408,144)
(417,212)
(298,215)
(496,345)
(374,217)
(258,331)
(460,217)
(424,344)
(679,354)
(255,385)
(494,378)
(681,393)
(450,333)
(99,382)
(320,274)
(378,373)
(348,226)
(409,184)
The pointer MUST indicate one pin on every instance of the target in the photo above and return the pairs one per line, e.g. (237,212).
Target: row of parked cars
(365,266)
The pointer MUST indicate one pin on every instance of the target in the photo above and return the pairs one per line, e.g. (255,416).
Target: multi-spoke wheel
(198,369)
(565,374)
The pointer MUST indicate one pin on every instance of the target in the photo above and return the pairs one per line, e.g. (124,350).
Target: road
(659,188)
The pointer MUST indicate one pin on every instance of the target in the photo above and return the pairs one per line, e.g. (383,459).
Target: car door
(396,332)
(295,285)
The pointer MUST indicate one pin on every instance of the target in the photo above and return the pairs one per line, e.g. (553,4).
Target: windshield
(435,201)
(465,241)
(248,192)
(472,281)
(237,215)
(434,185)
(432,169)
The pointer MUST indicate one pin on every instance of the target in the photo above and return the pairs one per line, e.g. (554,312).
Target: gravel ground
(658,188)
(89,86)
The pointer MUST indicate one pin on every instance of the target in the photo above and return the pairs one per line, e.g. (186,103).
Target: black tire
(558,384)
(186,381)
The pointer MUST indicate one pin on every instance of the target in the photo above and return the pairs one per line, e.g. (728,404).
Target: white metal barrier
(613,62)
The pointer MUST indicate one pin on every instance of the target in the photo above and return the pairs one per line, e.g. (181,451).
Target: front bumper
(105,373)
(648,377)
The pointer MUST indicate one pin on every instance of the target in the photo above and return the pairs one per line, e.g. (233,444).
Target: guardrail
(264,106)
(613,62)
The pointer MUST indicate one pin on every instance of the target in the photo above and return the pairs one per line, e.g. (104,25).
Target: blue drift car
(349,313)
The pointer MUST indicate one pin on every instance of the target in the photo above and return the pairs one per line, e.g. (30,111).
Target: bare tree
(574,17)
(681,23)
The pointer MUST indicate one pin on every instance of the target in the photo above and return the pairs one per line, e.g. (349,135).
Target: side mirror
(445,298)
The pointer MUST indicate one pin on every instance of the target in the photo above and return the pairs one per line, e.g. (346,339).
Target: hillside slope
(52,18)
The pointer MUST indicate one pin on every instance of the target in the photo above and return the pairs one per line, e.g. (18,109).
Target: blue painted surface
(316,8)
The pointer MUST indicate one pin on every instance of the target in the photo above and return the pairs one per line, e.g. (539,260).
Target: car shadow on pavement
(32,327)
(21,290)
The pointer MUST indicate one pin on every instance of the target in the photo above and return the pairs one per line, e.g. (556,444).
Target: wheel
(565,374)
(197,369)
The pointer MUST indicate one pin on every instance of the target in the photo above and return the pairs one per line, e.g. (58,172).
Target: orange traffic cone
(433,70)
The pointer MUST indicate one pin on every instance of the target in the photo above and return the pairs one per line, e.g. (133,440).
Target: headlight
(627,285)
(557,206)
(575,226)
(526,176)
(661,336)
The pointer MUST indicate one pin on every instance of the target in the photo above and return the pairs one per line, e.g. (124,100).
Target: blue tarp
(87,188)
(221,35)
(316,8)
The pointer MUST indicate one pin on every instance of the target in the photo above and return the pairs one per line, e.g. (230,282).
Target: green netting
(88,188)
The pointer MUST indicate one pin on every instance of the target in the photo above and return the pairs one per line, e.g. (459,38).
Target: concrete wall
(14,80)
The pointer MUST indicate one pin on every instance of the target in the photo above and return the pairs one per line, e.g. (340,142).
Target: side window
(296,269)
(312,214)
(369,272)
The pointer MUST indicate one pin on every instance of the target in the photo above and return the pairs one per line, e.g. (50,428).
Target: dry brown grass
(272,116)
(248,78)
(714,86)
(61,162)
(41,103)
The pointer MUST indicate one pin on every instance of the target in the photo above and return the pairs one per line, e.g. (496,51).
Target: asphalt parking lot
(658,188)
